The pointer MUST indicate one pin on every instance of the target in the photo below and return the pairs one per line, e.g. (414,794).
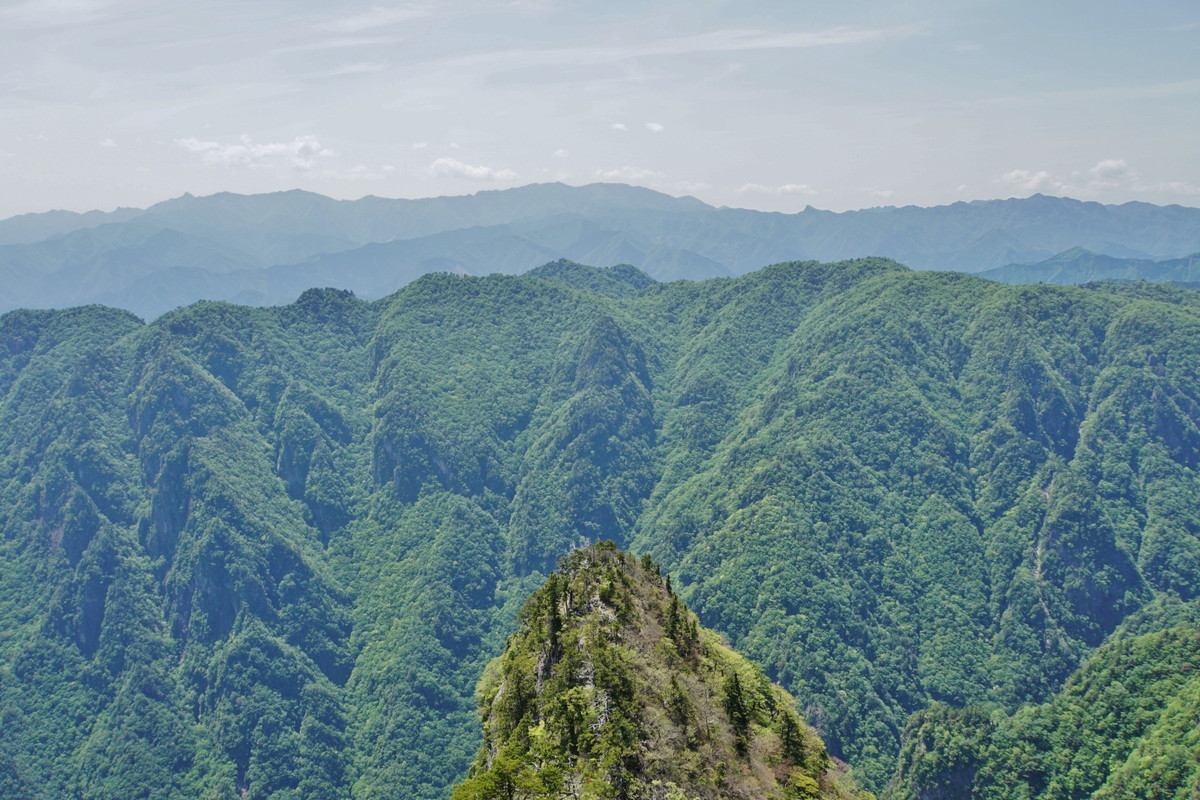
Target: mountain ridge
(267,238)
(272,549)
(610,688)
(1080,265)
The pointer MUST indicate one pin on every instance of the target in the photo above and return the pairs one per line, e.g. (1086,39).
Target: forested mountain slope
(611,689)
(267,552)
(1123,728)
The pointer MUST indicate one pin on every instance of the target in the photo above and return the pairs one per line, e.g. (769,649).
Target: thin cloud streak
(453,168)
(57,13)
(787,188)
(376,17)
(723,41)
(361,68)
(628,173)
(1097,93)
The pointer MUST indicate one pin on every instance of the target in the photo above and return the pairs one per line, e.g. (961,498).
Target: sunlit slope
(271,550)
(609,688)
(1124,726)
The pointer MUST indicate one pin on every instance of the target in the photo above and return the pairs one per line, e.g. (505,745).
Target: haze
(769,105)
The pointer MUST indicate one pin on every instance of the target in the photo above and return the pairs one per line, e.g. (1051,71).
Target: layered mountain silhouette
(266,249)
(1077,265)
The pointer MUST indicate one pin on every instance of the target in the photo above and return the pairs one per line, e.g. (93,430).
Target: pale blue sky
(774,105)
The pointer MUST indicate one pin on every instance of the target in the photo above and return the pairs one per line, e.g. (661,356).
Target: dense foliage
(267,552)
(1124,726)
(611,689)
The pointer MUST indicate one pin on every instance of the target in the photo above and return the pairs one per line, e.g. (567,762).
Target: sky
(838,104)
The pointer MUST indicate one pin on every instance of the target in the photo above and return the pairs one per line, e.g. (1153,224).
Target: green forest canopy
(268,551)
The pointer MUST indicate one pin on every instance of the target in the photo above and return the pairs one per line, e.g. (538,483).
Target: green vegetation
(1124,726)
(619,281)
(268,552)
(611,689)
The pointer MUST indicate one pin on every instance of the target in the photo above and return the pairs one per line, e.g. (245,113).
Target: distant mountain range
(266,249)
(1077,266)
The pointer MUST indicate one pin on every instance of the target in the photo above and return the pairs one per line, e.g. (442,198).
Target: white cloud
(619,126)
(107,143)
(787,188)
(654,127)
(301,153)
(628,173)
(1028,180)
(1110,172)
(561,153)
(1106,175)
(420,145)
(453,168)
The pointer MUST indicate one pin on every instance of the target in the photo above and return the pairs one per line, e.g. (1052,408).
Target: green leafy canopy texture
(1124,727)
(268,552)
(611,689)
